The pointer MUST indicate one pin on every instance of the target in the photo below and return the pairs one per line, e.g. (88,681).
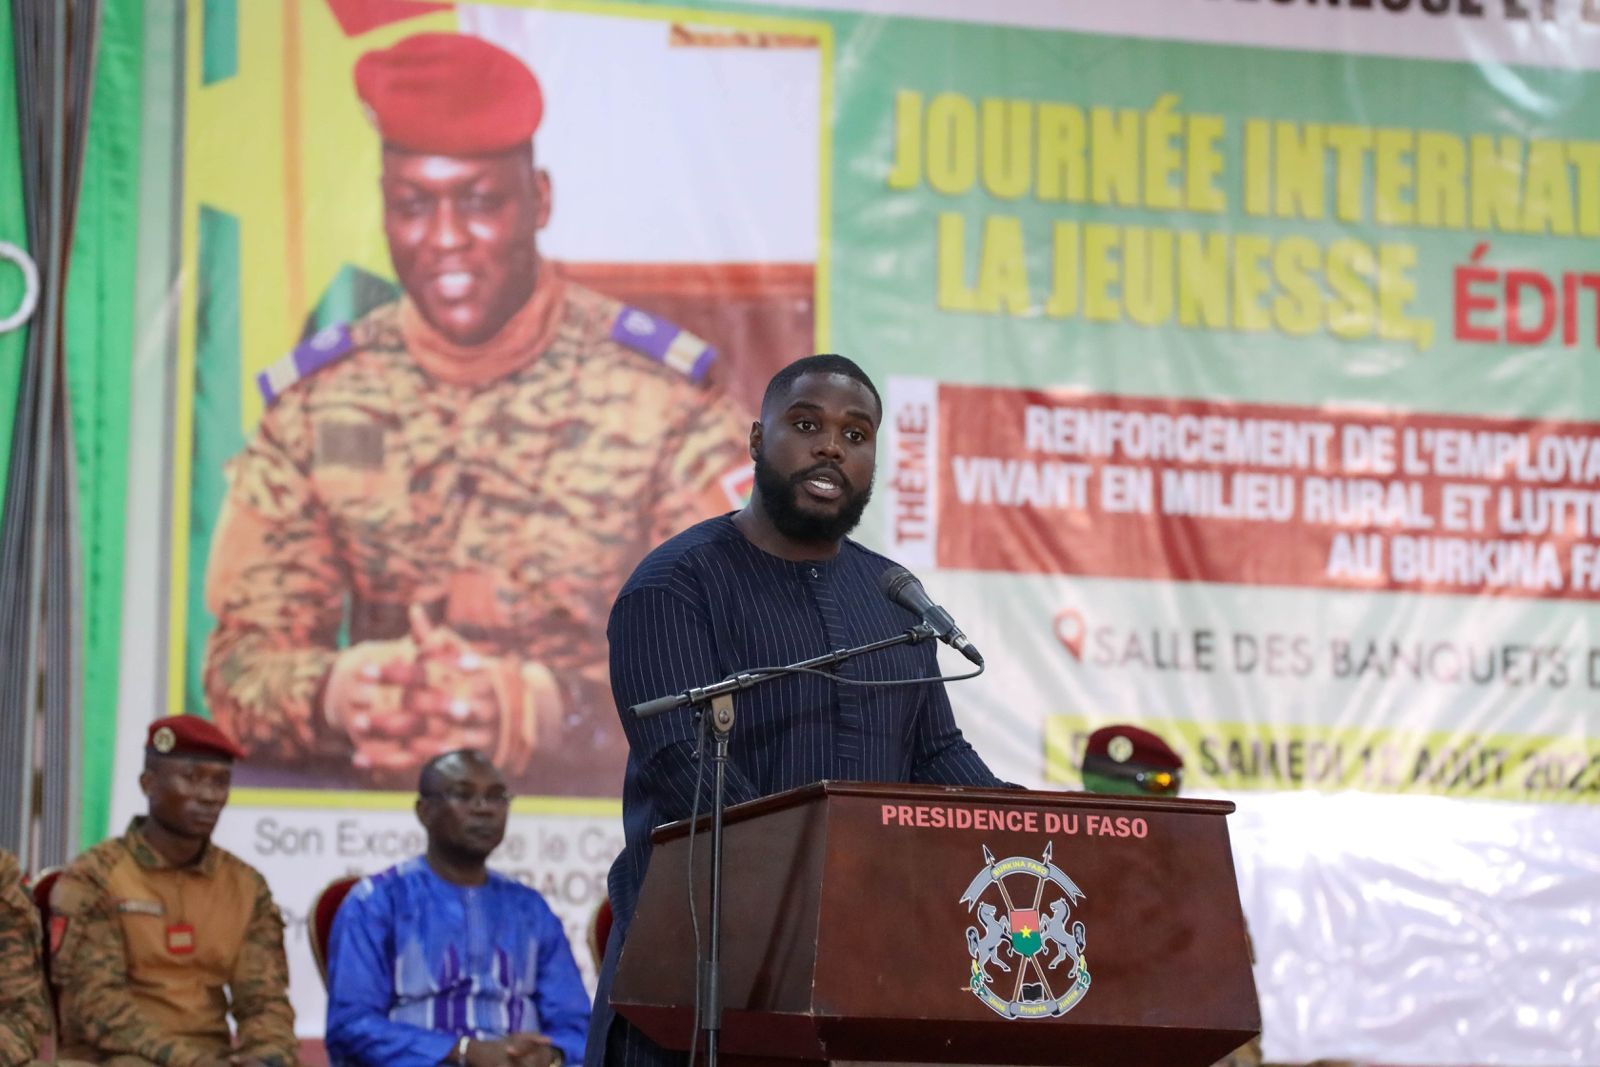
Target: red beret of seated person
(1131,761)
(190,735)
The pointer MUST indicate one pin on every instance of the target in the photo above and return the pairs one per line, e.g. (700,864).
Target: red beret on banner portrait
(449,94)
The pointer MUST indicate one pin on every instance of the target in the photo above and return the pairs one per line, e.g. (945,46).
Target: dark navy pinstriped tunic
(707,604)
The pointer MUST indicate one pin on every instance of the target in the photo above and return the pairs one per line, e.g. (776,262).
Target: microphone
(902,587)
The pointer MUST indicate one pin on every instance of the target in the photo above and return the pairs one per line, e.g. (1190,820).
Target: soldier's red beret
(449,94)
(1128,759)
(1131,744)
(190,735)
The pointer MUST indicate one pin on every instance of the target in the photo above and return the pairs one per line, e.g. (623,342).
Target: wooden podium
(918,924)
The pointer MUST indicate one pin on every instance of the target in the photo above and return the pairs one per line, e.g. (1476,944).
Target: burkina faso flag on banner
(1025,932)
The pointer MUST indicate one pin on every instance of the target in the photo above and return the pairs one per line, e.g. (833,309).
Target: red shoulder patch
(58,931)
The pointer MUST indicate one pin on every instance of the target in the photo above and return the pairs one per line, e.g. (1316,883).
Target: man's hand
(454,689)
(532,1050)
(236,1059)
(401,701)
(366,698)
(513,1050)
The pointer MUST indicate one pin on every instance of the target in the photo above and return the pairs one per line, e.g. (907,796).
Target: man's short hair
(825,363)
(428,779)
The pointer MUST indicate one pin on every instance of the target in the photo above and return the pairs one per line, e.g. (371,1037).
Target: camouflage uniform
(130,990)
(512,511)
(24,1012)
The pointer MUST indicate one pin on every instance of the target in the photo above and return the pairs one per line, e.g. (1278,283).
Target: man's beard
(780,500)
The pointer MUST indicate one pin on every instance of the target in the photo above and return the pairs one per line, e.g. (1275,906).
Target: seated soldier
(1131,761)
(158,935)
(440,960)
(24,1013)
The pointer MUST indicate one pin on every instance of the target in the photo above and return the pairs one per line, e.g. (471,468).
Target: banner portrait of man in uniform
(488,417)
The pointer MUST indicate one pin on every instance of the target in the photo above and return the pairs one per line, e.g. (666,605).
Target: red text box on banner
(1035,481)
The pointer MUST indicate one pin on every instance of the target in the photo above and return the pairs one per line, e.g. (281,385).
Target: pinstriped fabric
(707,604)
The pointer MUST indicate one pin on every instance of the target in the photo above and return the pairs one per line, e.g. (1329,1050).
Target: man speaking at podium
(775,583)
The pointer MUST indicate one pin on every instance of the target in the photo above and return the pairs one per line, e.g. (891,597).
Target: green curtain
(13,230)
(100,346)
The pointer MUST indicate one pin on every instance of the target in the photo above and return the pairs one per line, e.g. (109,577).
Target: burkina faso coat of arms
(1028,959)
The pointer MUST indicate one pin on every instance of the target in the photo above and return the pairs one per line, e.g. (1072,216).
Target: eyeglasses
(1159,781)
(495,798)
(1102,775)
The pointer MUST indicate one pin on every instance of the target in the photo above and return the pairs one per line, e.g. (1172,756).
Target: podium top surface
(884,792)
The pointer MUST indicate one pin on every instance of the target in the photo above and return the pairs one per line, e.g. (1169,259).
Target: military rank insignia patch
(1028,959)
(324,347)
(180,939)
(650,335)
(141,907)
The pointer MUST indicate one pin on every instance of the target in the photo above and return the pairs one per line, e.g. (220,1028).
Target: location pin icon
(1070,629)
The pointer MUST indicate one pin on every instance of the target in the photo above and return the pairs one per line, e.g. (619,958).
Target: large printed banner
(340,507)
(1237,363)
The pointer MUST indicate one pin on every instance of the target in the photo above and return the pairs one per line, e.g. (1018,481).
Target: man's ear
(544,190)
(755,440)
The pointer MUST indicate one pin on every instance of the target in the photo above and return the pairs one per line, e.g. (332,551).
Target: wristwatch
(459,1055)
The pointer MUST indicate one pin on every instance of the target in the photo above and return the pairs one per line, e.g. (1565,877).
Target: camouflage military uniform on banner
(510,509)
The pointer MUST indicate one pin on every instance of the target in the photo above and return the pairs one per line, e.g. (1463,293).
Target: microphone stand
(719,695)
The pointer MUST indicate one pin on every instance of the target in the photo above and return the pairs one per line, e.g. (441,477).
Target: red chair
(599,931)
(322,913)
(40,889)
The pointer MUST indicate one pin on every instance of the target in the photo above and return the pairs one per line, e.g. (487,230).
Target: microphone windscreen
(893,580)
